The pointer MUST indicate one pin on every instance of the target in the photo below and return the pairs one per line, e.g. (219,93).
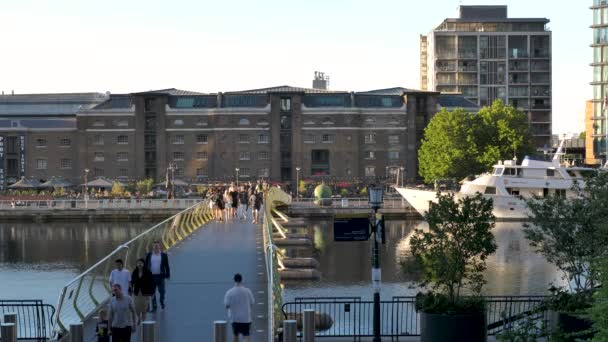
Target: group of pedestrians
(133,294)
(235,202)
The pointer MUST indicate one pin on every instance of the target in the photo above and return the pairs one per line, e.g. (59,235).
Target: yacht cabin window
(550,173)
(513,171)
(498,171)
(490,190)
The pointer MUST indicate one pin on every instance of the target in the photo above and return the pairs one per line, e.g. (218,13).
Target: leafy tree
(457,144)
(599,311)
(144,186)
(572,233)
(117,189)
(582,135)
(453,253)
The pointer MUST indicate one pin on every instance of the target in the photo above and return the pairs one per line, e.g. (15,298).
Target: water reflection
(37,259)
(345,266)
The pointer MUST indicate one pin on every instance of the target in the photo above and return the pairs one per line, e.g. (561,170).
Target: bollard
(309,326)
(290,330)
(8,331)
(76,332)
(148,331)
(219,331)
(11,317)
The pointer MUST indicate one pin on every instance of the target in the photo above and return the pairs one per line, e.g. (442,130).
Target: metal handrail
(85,294)
(345,202)
(34,318)
(78,204)
(273,264)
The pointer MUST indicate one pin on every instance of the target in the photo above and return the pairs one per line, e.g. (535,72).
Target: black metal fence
(352,317)
(34,318)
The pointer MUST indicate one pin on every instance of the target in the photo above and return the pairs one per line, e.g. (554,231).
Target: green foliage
(302,187)
(344,192)
(452,254)
(582,135)
(58,191)
(527,330)
(438,303)
(457,144)
(201,189)
(572,233)
(144,186)
(599,311)
(322,191)
(563,301)
(363,191)
(117,189)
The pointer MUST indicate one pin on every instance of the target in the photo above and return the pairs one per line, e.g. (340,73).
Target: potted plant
(572,234)
(323,195)
(452,257)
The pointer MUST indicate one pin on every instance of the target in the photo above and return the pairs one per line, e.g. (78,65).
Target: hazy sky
(210,46)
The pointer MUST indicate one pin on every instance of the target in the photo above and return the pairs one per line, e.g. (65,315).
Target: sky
(125,46)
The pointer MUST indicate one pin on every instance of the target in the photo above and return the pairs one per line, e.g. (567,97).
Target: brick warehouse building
(266,133)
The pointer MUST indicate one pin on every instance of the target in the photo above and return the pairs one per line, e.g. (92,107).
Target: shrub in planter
(322,195)
(452,257)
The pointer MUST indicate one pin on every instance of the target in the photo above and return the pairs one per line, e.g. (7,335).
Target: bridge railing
(34,318)
(275,293)
(67,204)
(392,203)
(86,293)
(353,317)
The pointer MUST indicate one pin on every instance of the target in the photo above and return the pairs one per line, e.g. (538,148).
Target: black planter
(453,328)
(569,323)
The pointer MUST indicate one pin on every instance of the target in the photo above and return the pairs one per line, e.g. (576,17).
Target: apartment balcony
(467,55)
(516,54)
(541,106)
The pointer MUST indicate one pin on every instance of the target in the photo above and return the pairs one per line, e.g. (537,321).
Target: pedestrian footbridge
(204,255)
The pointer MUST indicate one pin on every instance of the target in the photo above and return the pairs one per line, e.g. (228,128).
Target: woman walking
(219,202)
(143,289)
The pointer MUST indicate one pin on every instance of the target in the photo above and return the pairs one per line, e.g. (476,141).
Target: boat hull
(506,208)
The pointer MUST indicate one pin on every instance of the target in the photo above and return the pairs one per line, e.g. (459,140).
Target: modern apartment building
(266,133)
(485,55)
(596,124)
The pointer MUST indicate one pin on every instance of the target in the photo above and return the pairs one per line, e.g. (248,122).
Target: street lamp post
(86,188)
(375,202)
(297,183)
(237,176)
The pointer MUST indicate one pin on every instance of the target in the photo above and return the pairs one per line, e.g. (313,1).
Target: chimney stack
(321,81)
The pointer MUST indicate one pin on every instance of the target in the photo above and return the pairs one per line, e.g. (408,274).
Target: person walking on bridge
(123,319)
(239,302)
(158,264)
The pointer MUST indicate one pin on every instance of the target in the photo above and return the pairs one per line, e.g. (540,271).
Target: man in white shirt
(158,264)
(120,276)
(239,301)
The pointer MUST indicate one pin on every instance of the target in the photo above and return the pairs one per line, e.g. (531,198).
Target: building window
(244,155)
(263,139)
(327,122)
(244,122)
(370,121)
(179,172)
(202,139)
(149,105)
(41,164)
(370,138)
(201,173)
(97,172)
(370,171)
(41,143)
(123,173)
(99,123)
(178,139)
(122,139)
(393,139)
(98,156)
(65,142)
(370,155)
(122,156)
(263,122)
(244,172)
(98,139)
(178,122)
(150,140)
(243,139)
(286,104)
(202,122)
(202,155)
(121,123)
(178,156)
(263,155)
(393,155)
(65,164)
(309,139)
(327,138)
(263,173)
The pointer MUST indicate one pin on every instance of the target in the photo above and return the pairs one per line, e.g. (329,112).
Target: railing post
(76,332)
(219,331)
(309,326)
(8,331)
(11,317)
(290,330)
(148,331)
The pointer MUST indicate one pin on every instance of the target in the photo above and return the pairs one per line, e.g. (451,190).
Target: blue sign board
(351,229)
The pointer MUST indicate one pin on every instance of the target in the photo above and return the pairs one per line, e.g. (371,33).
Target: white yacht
(508,183)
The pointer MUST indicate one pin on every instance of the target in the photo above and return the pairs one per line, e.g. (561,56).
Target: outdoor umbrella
(56,182)
(25,184)
(99,183)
